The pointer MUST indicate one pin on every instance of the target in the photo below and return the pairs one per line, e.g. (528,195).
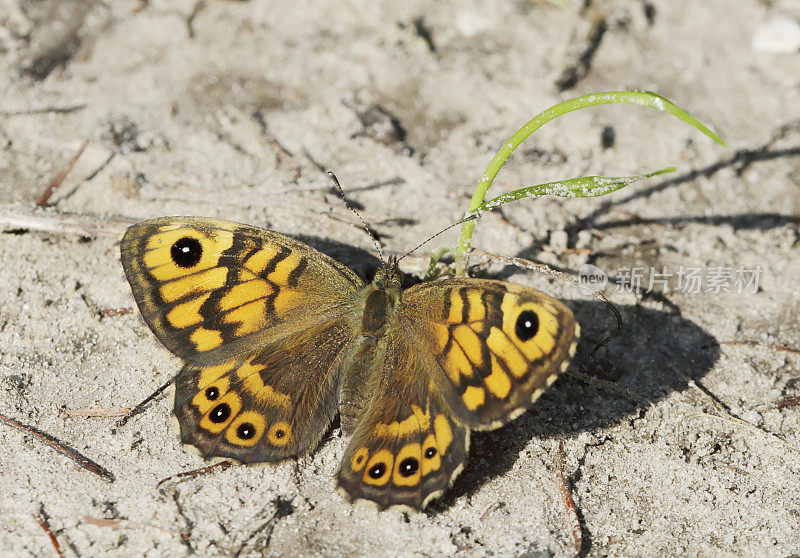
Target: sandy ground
(231,109)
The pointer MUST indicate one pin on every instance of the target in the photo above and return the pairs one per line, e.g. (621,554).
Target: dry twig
(783,348)
(140,407)
(109,312)
(60,447)
(491,508)
(123,523)
(37,219)
(96,412)
(569,503)
(59,178)
(788,402)
(222,465)
(42,520)
(43,110)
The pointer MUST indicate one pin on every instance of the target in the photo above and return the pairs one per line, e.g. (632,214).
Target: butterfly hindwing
(274,403)
(216,288)
(494,346)
(406,450)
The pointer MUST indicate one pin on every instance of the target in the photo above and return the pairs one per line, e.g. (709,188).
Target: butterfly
(277,338)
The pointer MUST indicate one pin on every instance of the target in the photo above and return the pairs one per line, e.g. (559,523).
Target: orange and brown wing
(211,289)
(495,346)
(261,320)
(268,405)
(406,450)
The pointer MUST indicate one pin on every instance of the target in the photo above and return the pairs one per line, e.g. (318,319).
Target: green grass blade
(430,273)
(643,98)
(582,187)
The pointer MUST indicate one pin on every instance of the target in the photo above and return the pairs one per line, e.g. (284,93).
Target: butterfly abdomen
(357,365)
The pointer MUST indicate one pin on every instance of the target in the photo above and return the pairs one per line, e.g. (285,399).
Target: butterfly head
(388,276)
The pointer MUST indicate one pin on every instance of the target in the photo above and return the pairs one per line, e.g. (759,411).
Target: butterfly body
(277,338)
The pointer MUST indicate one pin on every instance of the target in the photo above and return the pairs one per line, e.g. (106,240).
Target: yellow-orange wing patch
(494,346)
(202,284)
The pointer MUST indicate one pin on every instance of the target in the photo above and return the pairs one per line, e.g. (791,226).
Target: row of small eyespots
(378,470)
(279,434)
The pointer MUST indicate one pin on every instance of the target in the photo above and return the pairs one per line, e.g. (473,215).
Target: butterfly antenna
(353,209)
(447,228)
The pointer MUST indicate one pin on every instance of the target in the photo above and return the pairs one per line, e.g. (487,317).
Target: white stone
(470,23)
(778,35)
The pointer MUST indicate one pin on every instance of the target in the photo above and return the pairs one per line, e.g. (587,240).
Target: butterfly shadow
(657,353)
(362,262)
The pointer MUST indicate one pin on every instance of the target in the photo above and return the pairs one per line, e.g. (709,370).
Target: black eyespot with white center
(212,393)
(527,325)
(220,413)
(430,453)
(186,252)
(280,433)
(377,470)
(408,467)
(245,431)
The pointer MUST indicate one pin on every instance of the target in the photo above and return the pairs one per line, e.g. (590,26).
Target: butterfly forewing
(493,346)
(207,285)
(261,320)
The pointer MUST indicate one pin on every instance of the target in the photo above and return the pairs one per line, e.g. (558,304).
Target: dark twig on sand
(788,402)
(109,312)
(123,523)
(43,110)
(42,520)
(140,407)
(783,348)
(222,465)
(59,178)
(569,503)
(61,448)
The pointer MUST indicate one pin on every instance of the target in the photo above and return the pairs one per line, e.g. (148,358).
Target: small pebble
(779,35)
(470,23)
